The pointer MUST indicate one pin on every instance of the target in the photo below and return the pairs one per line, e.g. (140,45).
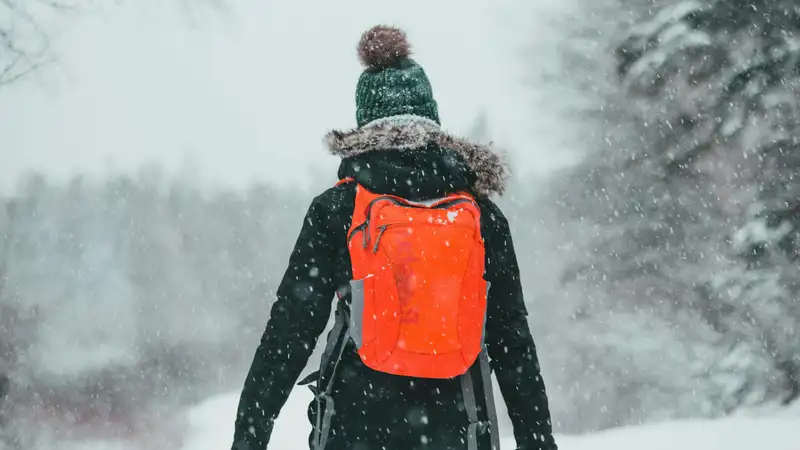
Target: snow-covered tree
(720,81)
(695,202)
(135,292)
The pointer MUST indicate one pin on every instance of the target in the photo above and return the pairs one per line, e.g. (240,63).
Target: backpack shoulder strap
(334,350)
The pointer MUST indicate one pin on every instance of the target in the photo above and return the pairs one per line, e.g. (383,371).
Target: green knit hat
(392,84)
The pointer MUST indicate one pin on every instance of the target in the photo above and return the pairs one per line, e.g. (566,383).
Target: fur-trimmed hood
(491,171)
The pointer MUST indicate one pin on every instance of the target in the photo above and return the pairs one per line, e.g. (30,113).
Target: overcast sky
(250,93)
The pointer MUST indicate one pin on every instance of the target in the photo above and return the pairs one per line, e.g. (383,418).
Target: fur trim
(398,133)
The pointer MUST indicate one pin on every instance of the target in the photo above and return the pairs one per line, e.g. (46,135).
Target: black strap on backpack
(337,341)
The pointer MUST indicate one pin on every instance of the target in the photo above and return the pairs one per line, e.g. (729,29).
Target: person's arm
(509,341)
(297,319)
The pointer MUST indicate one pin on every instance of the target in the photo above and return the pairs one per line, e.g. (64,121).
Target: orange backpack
(418,301)
(418,297)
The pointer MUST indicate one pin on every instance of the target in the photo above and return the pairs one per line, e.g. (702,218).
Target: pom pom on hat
(383,46)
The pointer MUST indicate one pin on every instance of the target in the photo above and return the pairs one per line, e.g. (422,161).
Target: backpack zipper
(382,229)
(361,227)
(455,202)
(364,227)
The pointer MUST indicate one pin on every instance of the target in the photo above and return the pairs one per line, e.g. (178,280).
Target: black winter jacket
(376,410)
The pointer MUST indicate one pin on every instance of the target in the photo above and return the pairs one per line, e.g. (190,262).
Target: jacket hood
(417,153)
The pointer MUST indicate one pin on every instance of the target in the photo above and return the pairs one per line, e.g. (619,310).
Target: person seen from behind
(428,298)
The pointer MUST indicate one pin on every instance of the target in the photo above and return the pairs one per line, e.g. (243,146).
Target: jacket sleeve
(297,319)
(509,341)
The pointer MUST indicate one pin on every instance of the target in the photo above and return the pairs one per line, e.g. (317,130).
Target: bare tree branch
(8,76)
(24,40)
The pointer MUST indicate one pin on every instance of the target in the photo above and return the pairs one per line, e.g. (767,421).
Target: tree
(724,79)
(25,38)
(694,205)
(24,43)
(135,293)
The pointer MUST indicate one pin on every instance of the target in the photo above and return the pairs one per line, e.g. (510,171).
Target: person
(399,153)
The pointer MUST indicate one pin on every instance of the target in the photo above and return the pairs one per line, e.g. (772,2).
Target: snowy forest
(661,269)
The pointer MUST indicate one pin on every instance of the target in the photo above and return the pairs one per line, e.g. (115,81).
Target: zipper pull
(378,238)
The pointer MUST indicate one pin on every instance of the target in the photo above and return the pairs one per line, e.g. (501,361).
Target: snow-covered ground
(211,428)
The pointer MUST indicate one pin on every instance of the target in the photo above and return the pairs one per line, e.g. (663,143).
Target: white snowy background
(160,166)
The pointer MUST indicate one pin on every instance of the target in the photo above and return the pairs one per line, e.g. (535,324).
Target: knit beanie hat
(392,84)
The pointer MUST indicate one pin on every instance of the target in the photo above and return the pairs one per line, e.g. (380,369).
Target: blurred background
(157,157)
